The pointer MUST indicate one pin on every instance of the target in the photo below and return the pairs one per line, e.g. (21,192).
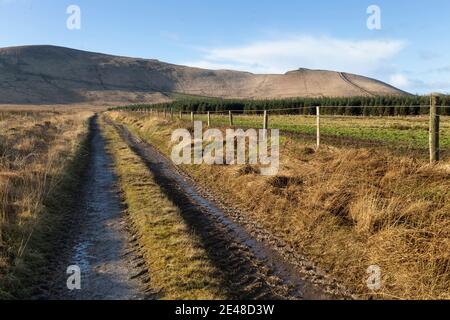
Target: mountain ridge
(51,74)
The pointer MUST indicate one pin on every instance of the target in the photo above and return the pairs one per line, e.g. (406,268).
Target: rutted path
(100,245)
(347,80)
(112,268)
(254,270)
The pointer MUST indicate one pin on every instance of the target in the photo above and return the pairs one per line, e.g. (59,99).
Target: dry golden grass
(62,108)
(344,208)
(35,149)
(179,266)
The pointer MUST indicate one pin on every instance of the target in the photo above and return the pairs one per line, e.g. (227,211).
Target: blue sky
(410,51)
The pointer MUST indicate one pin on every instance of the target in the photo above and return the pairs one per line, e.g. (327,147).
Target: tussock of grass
(353,208)
(42,157)
(179,266)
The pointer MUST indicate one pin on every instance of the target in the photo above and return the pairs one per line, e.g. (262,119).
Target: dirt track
(99,243)
(254,264)
(254,269)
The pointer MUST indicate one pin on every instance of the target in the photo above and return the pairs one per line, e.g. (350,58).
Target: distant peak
(298,70)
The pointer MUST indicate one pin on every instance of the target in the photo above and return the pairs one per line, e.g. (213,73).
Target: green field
(411,132)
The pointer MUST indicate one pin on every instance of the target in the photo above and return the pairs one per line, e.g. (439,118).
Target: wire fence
(294,110)
(417,132)
(311,112)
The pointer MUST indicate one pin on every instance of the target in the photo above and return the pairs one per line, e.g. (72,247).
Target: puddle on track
(101,246)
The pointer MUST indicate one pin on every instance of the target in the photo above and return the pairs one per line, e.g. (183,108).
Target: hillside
(49,74)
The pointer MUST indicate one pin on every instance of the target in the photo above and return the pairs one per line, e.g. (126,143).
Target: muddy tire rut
(100,242)
(252,268)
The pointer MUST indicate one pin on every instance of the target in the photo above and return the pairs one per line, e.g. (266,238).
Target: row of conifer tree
(354,106)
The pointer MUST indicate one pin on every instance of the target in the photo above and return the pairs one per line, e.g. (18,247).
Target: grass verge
(38,196)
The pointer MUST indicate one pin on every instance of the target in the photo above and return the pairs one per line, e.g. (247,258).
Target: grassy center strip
(179,265)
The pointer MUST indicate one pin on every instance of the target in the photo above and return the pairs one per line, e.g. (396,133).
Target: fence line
(251,111)
(434,115)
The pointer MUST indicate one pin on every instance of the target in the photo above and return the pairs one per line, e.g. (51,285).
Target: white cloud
(400,81)
(282,55)
(417,85)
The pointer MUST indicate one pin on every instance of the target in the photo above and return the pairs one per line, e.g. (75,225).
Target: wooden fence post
(434,129)
(318,127)
(231,118)
(209,119)
(266,120)
(181,115)
(192,117)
